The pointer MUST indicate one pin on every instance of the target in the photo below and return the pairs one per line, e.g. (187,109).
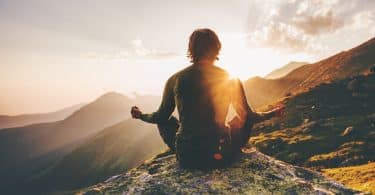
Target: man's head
(204,45)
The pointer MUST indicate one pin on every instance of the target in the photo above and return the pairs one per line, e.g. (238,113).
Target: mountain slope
(330,126)
(28,119)
(32,148)
(284,70)
(253,173)
(113,150)
(359,60)
(35,140)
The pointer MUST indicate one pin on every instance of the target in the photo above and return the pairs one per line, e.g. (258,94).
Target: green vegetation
(357,177)
(330,126)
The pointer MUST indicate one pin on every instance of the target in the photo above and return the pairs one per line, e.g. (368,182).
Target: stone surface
(252,173)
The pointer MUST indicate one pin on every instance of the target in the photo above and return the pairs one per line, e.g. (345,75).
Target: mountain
(284,70)
(25,151)
(35,140)
(111,151)
(252,173)
(329,127)
(359,60)
(28,119)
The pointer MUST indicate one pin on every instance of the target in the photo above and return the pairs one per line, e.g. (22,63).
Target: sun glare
(243,62)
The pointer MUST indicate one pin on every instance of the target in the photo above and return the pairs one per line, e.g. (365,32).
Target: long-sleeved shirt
(202,94)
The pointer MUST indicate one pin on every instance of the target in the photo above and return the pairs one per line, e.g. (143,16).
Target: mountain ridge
(355,61)
(10,121)
(284,70)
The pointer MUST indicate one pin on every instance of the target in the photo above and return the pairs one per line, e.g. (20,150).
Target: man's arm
(242,107)
(261,116)
(166,107)
(239,102)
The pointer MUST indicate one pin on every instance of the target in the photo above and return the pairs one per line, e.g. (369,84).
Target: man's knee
(168,131)
(171,125)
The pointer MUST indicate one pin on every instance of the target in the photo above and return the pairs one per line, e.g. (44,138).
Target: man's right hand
(136,113)
(280,110)
(236,123)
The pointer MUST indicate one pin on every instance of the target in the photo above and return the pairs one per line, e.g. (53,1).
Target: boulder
(252,173)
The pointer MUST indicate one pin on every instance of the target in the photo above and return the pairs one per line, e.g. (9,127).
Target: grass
(313,132)
(360,177)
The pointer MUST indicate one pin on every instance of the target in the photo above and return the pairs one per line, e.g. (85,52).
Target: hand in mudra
(235,123)
(279,110)
(136,113)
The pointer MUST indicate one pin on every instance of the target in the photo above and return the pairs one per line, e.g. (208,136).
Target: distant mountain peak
(7,121)
(284,70)
(108,102)
(111,95)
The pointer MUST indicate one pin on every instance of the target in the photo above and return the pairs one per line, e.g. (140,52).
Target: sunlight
(244,62)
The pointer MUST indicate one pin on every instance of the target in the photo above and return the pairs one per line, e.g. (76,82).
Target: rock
(347,131)
(252,173)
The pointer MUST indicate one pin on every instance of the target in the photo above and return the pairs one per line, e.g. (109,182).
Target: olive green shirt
(202,94)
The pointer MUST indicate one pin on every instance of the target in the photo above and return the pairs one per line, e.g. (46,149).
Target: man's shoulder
(183,71)
(221,70)
(191,70)
(180,73)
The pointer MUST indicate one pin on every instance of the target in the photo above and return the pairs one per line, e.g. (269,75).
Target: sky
(54,53)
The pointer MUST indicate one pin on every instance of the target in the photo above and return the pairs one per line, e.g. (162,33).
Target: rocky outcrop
(252,173)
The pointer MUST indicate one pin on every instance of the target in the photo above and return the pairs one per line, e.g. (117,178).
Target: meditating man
(203,92)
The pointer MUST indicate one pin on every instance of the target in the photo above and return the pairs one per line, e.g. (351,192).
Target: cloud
(318,22)
(365,19)
(137,51)
(283,36)
(304,25)
(140,51)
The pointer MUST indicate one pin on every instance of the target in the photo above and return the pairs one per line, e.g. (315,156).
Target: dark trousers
(168,132)
(197,151)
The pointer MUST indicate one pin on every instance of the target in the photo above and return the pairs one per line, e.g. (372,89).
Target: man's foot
(167,152)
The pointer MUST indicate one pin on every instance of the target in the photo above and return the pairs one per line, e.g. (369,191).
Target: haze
(55,54)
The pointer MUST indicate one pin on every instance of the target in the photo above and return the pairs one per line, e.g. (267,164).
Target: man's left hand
(136,113)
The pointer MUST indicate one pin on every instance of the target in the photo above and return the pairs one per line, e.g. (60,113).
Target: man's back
(202,99)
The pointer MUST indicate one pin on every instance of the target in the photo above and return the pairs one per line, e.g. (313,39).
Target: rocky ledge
(252,173)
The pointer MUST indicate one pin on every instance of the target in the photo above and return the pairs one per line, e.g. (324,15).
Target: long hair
(203,44)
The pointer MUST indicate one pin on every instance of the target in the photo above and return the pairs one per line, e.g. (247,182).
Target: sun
(238,63)
(237,58)
(244,61)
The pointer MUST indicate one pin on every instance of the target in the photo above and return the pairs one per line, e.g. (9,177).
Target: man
(203,92)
